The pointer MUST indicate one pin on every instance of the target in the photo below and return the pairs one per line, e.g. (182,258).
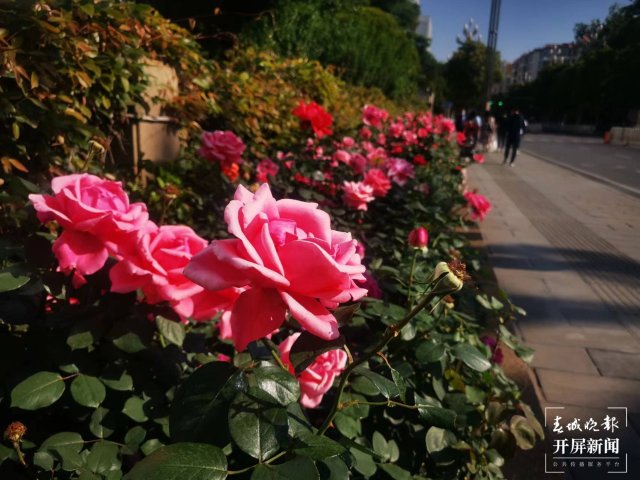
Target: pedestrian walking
(514,131)
(461,119)
(502,130)
(487,133)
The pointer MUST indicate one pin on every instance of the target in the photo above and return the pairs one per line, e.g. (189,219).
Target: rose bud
(419,237)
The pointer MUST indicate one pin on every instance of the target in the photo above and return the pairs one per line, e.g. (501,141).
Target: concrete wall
(625,136)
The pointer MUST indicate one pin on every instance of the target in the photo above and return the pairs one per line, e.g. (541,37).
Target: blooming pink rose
(396,129)
(97,219)
(357,195)
(365,133)
(381,139)
(342,156)
(377,156)
(156,267)
(348,142)
(374,116)
(377,180)
(288,259)
(357,163)
(419,237)
(399,170)
(265,169)
(480,206)
(222,147)
(410,137)
(423,132)
(317,379)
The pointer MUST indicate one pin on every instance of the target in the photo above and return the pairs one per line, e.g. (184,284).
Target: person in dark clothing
(514,130)
(502,130)
(460,120)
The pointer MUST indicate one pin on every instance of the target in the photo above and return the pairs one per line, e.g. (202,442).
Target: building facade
(529,65)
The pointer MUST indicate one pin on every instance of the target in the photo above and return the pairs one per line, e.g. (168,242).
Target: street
(617,165)
(565,247)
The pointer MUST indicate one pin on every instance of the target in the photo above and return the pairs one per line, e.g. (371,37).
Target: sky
(524,24)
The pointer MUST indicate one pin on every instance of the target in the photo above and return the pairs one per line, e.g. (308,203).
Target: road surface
(616,165)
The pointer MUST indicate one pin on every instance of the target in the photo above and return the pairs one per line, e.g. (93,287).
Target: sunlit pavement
(566,248)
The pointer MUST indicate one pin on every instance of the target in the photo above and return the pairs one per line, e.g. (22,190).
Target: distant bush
(367,45)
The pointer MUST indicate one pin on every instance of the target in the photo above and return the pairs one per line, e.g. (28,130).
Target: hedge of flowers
(311,321)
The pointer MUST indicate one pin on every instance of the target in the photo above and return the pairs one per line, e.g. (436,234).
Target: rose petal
(256,313)
(312,316)
(81,251)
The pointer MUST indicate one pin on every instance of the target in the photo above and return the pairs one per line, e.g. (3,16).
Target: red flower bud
(419,237)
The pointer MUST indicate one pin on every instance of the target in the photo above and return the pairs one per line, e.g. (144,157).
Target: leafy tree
(465,73)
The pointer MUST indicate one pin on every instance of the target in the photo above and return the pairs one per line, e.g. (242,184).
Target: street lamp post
(492,42)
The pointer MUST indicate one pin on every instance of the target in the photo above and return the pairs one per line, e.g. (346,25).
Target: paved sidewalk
(567,249)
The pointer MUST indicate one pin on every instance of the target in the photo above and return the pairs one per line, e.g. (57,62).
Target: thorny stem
(390,333)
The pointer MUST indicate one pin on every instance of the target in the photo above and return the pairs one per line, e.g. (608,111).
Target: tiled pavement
(567,249)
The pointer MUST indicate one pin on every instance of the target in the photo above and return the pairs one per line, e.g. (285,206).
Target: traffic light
(500,103)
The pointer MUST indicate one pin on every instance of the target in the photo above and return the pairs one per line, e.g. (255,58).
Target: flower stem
(272,459)
(411,275)
(390,333)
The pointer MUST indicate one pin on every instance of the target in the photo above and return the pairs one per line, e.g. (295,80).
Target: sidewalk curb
(593,176)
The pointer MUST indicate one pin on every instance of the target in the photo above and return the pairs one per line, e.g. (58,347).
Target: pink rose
(288,259)
(357,195)
(265,169)
(396,129)
(97,219)
(374,116)
(365,133)
(317,379)
(315,116)
(478,157)
(156,267)
(358,163)
(399,170)
(377,156)
(377,180)
(348,142)
(222,147)
(342,156)
(480,206)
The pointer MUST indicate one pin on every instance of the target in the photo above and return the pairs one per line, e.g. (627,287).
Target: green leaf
(438,439)
(100,418)
(430,351)
(380,446)
(134,409)
(14,277)
(525,353)
(79,339)
(395,472)
(88,391)
(173,331)
(200,406)
(298,422)
(67,446)
(523,432)
(472,357)
(398,379)
(117,379)
(495,458)
(151,446)
(317,447)
(386,387)
(103,458)
(294,469)
(278,383)
(333,468)
(43,460)
(363,463)
(130,343)
(134,437)
(474,394)
(348,426)
(257,426)
(195,461)
(434,414)
(38,391)
(531,418)
(307,347)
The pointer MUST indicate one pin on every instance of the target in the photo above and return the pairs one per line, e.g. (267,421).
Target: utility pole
(492,42)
